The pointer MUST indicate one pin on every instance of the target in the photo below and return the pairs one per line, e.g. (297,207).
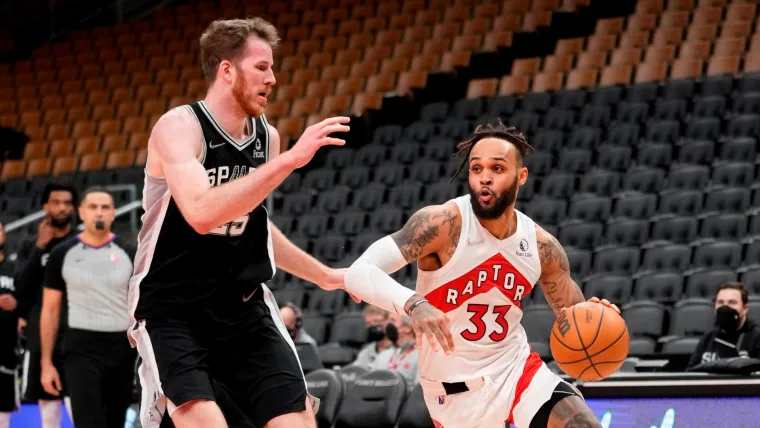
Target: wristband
(414,305)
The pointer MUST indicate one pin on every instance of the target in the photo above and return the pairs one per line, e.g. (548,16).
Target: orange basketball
(589,341)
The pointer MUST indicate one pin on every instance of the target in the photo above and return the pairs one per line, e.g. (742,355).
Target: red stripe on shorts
(532,364)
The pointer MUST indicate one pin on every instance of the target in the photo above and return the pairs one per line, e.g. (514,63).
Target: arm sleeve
(28,277)
(54,269)
(368,277)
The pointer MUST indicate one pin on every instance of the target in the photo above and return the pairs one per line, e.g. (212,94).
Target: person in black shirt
(58,202)
(9,394)
(204,319)
(734,335)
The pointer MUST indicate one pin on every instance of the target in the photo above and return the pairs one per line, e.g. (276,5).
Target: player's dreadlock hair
(500,131)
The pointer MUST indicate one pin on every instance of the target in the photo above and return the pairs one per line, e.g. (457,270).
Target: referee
(93,270)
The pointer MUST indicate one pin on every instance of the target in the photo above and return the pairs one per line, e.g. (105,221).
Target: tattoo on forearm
(564,296)
(572,412)
(421,229)
(551,251)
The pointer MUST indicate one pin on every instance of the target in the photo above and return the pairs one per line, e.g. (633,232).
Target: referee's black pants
(99,372)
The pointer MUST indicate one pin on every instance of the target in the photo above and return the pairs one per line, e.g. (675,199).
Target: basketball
(589,341)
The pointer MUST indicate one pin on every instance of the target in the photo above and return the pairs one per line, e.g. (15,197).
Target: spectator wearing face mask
(734,335)
(381,335)
(403,357)
(292,317)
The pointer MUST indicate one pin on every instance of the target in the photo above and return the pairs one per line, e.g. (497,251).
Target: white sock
(67,402)
(5,420)
(50,413)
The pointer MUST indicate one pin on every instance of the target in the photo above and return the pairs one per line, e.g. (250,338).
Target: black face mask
(375,333)
(392,332)
(727,319)
(292,332)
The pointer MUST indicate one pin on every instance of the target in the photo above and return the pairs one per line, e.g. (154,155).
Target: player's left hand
(605,302)
(334,280)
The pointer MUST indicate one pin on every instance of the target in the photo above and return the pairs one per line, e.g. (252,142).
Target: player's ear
(522,176)
(226,70)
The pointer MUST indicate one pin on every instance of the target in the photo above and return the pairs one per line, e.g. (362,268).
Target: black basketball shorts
(9,387)
(244,361)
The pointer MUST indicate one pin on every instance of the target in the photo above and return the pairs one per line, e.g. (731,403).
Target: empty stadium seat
(415,413)
(308,355)
(537,321)
(375,400)
(329,388)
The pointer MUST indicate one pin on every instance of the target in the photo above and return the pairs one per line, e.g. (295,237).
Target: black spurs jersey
(175,266)
(8,319)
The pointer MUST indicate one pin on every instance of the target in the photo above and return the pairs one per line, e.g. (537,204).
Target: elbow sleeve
(368,277)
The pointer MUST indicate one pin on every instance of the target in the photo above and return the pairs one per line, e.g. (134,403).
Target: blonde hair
(224,39)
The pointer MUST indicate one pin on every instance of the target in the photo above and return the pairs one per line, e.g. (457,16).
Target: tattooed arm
(429,236)
(559,288)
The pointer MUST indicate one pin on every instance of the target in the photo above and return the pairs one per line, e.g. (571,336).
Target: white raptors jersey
(481,291)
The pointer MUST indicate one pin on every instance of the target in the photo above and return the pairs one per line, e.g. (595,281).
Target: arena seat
(415,413)
(329,388)
(374,401)
(308,354)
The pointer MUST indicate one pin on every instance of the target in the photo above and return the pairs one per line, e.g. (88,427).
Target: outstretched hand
(316,136)
(334,280)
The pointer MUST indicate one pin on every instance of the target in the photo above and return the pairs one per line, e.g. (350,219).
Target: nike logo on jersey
(245,299)
(214,146)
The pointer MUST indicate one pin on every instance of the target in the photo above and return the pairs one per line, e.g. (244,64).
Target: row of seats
(68,164)
(651,324)
(614,54)
(354,397)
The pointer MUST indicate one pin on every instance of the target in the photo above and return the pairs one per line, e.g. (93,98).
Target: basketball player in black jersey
(214,350)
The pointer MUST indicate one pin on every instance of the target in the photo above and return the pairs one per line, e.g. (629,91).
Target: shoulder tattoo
(551,251)
(422,228)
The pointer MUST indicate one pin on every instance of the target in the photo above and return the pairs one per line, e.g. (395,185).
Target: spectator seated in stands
(379,336)
(292,317)
(403,357)
(735,335)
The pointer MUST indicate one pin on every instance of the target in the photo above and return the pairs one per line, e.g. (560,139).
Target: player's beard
(501,202)
(245,98)
(61,221)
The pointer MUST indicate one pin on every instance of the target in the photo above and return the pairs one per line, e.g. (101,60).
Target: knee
(198,413)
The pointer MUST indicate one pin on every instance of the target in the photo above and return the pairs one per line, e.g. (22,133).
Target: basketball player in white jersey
(478,258)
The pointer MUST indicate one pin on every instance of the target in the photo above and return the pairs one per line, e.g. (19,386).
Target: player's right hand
(50,380)
(427,320)
(316,136)
(45,233)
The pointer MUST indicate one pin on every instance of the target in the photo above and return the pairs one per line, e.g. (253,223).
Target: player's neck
(227,112)
(503,226)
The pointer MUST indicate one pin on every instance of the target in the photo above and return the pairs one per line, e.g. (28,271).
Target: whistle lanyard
(401,355)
